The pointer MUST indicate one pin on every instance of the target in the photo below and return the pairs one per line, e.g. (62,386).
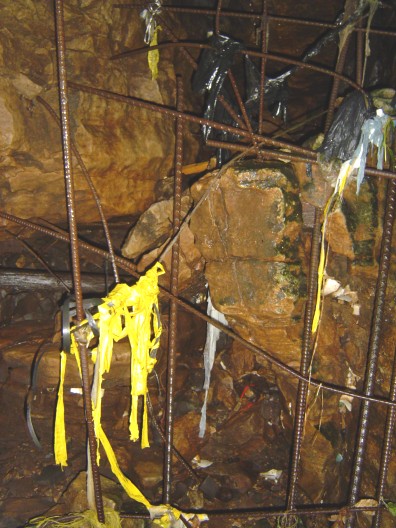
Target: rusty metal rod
(75,258)
(281,155)
(161,109)
(336,83)
(302,391)
(238,97)
(174,288)
(251,53)
(126,265)
(359,55)
(374,343)
(217,18)
(270,512)
(264,49)
(91,185)
(256,16)
(386,448)
(59,234)
(192,62)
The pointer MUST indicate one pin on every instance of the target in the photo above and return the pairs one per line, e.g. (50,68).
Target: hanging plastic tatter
(148,15)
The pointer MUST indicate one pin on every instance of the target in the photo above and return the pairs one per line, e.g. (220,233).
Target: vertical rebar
(302,390)
(64,114)
(264,49)
(217,19)
(374,343)
(359,54)
(386,448)
(172,341)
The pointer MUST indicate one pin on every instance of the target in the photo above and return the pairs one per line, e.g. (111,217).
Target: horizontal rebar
(251,53)
(281,155)
(273,512)
(257,17)
(126,265)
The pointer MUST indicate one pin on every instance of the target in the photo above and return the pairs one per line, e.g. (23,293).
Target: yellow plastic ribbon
(345,171)
(128,311)
(153,56)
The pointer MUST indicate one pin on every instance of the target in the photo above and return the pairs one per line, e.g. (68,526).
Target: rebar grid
(297,154)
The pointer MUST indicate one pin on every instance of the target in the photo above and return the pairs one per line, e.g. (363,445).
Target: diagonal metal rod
(75,258)
(374,343)
(252,53)
(336,83)
(91,185)
(126,265)
(172,343)
(190,59)
(302,391)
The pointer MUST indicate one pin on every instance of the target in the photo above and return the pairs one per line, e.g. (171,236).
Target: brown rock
(124,160)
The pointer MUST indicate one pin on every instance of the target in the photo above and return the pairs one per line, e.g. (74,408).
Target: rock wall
(250,232)
(126,150)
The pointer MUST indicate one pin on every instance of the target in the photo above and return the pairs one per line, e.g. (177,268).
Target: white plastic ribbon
(212,336)
(148,16)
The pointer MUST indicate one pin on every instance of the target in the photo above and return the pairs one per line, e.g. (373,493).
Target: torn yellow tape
(345,171)
(153,56)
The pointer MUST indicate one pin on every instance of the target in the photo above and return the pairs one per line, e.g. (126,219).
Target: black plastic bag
(344,134)
(212,70)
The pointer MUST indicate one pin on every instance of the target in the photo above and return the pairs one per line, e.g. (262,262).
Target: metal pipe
(302,392)
(125,264)
(75,258)
(376,326)
(172,342)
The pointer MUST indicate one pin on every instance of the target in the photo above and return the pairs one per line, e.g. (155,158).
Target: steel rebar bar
(91,185)
(174,288)
(302,391)
(386,448)
(252,53)
(264,49)
(75,258)
(374,343)
(256,16)
(126,265)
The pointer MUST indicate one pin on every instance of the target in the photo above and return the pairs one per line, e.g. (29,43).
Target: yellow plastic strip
(343,176)
(130,488)
(60,433)
(153,56)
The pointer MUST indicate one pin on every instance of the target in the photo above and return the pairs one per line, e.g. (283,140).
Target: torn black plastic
(212,70)
(344,134)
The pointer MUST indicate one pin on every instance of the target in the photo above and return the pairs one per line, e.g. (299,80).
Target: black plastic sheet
(212,70)
(344,134)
